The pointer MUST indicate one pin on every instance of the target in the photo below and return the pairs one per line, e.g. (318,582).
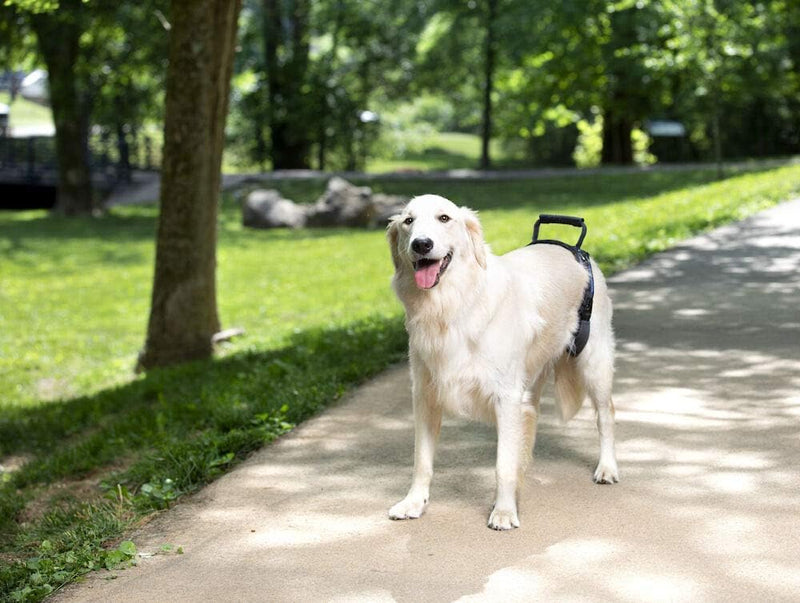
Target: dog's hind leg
(600,394)
(427,423)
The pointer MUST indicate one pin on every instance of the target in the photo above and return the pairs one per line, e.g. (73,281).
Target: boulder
(342,204)
(383,208)
(267,209)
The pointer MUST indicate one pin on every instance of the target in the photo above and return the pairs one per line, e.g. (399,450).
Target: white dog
(485,332)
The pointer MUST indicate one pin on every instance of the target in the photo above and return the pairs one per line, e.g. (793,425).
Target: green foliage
(728,71)
(702,63)
(65,547)
(116,76)
(34,6)
(125,57)
(354,58)
(641,148)
(588,151)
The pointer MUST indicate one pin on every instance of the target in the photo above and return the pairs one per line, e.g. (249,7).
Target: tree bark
(183,315)
(488,85)
(617,142)
(717,136)
(58,38)
(286,34)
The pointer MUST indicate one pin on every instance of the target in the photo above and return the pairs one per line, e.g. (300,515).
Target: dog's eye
(408,221)
(444,218)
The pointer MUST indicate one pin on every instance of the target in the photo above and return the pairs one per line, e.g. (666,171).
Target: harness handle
(555,219)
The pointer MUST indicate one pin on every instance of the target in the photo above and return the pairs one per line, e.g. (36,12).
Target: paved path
(708,399)
(145,186)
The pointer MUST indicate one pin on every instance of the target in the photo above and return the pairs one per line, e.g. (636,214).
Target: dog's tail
(570,390)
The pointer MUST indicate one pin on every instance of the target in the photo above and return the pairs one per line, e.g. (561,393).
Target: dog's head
(430,234)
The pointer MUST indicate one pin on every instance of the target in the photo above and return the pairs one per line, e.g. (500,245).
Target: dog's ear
(392,235)
(475,235)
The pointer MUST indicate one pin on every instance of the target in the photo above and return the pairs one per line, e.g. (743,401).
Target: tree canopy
(531,73)
(319,84)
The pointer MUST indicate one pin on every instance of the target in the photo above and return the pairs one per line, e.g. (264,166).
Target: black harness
(581,335)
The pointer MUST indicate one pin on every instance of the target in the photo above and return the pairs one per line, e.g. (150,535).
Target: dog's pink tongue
(426,275)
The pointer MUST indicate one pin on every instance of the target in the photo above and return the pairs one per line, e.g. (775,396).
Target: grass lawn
(26,113)
(443,151)
(89,449)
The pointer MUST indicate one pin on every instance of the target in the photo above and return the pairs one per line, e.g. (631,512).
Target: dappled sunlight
(313,529)
(512,584)
(780,578)
(580,552)
(654,587)
(676,407)
(585,570)
(366,596)
(735,534)
(731,483)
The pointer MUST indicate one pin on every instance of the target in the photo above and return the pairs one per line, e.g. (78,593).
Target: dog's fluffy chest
(467,380)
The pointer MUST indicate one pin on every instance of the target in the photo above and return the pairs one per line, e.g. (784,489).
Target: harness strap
(581,335)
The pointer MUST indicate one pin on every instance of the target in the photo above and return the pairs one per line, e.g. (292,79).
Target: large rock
(383,208)
(267,209)
(342,204)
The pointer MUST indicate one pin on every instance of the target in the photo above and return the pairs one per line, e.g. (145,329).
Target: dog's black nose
(421,246)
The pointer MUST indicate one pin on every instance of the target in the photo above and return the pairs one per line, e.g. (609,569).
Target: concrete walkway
(708,509)
(145,186)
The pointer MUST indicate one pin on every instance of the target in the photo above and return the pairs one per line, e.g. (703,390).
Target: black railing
(29,167)
(28,160)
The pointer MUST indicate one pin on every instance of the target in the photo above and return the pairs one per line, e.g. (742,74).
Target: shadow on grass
(118,232)
(21,233)
(211,409)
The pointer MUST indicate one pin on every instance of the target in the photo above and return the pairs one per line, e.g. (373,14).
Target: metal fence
(33,160)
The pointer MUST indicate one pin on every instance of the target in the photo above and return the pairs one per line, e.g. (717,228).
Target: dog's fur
(484,338)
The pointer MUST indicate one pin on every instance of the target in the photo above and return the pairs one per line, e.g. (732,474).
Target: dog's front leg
(427,423)
(510,436)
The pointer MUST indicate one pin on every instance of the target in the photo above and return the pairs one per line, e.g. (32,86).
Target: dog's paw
(606,473)
(408,508)
(503,519)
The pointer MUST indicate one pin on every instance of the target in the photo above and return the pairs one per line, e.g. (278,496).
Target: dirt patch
(68,492)
(13,463)
(85,490)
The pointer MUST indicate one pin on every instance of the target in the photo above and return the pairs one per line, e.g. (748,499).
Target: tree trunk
(617,142)
(124,152)
(716,135)
(58,37)
(488,85)
(183,315)
(286,34)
